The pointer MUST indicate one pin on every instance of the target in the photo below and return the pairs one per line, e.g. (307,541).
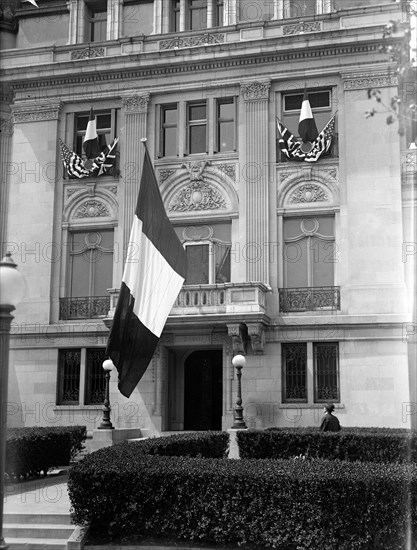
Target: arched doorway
(203,390)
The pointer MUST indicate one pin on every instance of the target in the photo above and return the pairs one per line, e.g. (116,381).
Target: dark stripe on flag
(156,225)
(130,345)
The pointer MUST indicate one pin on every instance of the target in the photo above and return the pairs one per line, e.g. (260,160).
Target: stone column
(135,114)
(157,17)
(114,19)
(183,8)
(73,24)
(278,9)
(6,126)
(210,13)
(230,12)
(256,98)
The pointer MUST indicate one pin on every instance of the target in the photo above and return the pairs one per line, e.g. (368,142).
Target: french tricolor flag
(90,145)
(307,128)
(154,273)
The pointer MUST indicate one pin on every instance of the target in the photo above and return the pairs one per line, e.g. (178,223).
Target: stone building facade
(305,268)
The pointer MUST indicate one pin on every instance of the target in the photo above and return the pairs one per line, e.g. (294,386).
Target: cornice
(36,112)
(178,66)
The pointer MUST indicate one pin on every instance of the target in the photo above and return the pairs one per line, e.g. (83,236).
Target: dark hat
(329,407)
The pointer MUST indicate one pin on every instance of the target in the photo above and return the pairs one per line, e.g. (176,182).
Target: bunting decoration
(293,149)
(101,165)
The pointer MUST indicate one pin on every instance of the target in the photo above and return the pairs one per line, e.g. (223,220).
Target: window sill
(309,405)
(78,407)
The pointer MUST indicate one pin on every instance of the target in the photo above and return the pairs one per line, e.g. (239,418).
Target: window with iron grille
(81,378)
(326,372)
(294,363)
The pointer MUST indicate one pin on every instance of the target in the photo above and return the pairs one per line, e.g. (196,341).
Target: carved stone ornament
(256,332)
(205,39)
(195,169)
(35,113)
(92,209)
(254,91)
(6,126)
(302,27)
(235,332)
(228,169)
(197,196)
(165,174)
(87,53)
(308,193)
(71,191)
(359,82)
(136,103)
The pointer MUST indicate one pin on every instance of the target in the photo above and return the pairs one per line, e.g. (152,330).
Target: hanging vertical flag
(73,163)
(90,145)
(106,160)
(307,125)
(33,3)
(153,276)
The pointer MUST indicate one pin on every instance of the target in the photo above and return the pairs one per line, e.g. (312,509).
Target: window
(309,251)
(193,15)
(168,146)
(175,25)
(97,26)
(106,123)
(197,128)
(255,11)
(81,378)
(310,372)
(226,125)
(326,372)
(294,361)
(196,16)
(90,274)
(219,13)
(301,8)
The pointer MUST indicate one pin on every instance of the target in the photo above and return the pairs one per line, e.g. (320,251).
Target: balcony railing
(309,298)
(226,298)
(86,307)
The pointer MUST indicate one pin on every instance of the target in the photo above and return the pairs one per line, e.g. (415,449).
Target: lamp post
(106,422)
(12,289)
(239,362)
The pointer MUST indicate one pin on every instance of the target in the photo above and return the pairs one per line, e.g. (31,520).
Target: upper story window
(301,8)
(95,21)
(197,127)
(106,123)
(192,15)
(255,11)
(196,15)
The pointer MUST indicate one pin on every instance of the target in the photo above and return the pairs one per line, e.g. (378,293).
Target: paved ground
(42,496)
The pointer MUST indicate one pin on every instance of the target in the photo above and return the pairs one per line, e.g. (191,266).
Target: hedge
(365,445)
(297,504)
(30,451)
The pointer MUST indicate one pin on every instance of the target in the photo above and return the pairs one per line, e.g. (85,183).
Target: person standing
(329,423)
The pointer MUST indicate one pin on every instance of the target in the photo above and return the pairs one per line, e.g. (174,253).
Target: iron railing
(86,307)
(309,298)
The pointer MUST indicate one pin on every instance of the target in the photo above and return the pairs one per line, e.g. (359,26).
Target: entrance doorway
(203,390)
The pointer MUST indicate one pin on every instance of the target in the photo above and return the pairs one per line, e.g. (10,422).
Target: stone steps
(37,532)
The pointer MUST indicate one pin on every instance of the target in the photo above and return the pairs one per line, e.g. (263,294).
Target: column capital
(36,111)
(6,125)
(136,103)
(361,81)
(255,90)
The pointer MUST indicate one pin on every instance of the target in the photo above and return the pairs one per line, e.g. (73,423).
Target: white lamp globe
(238,361)
(12,283)
(108,365)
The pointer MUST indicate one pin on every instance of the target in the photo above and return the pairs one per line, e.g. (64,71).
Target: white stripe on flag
(151,280)
(306,111)
(91,131)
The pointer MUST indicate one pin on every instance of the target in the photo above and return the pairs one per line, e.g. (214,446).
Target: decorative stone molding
(302,27)
(256,333)
(113,189)
(136,103)
(71,191)
(165,174)
(205,39)
(238,344)
(32,112)
(87,53)
(255,91)
(195,169)
(228,169)
(359,82)
(308,193)
(6,126)
(92,209)
(197,196)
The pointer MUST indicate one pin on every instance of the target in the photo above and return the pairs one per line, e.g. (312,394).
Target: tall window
(310,372)
(196,15)
(219,13)
(106,123)
(168,140)
(226,124)
(175,16)
(80,376)
(197,127)
(309,252)
(302,8)
(294,361)
(321,106)
(97,25)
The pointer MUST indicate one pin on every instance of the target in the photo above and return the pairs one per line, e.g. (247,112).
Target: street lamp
(238,362)
(106,423)
(12,289)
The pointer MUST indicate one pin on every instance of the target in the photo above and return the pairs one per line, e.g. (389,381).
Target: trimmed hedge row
(365,445)
(30,451)
(295,504)
(201,444)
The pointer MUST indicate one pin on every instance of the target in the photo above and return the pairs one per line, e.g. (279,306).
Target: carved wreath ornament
(309,193)
(198,195)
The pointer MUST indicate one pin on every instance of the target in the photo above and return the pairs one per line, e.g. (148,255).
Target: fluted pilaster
(136,109)
(256,97)
(6,126)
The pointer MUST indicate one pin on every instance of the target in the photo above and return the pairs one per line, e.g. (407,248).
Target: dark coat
(330,423)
